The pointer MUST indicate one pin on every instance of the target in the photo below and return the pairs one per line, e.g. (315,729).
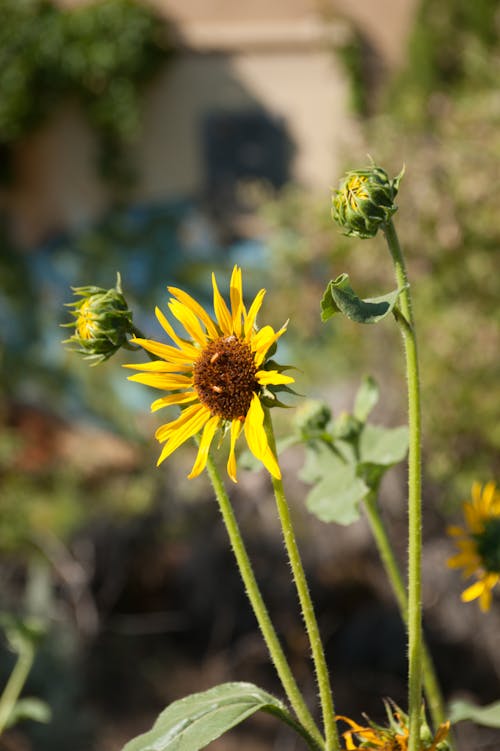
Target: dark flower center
(488,545)
(224,377)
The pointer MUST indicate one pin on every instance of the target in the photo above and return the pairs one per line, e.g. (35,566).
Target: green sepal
(192,723)
(339,297)
(488,716)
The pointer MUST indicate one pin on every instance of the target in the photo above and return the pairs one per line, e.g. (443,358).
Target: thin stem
(414,495)
(15,684)
(261,613)
(431,685)
(318,654)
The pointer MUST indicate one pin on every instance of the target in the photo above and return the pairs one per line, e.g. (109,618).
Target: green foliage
(195,721)
(100,53)
(339,297)
(450,49)
(464,710)
(346,458)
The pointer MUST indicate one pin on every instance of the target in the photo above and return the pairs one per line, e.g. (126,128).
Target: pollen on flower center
(224,377)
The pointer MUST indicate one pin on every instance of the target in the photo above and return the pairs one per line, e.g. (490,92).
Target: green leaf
(366,398)
(464,710)
(338,490)
(339,297)
(383,446)
(195,721)
(29,709)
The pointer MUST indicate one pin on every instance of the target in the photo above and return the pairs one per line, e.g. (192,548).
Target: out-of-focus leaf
(366,398)
(29,709)
(384,446)
(464,710)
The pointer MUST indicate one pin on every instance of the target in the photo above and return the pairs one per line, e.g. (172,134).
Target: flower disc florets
(364,201)
(102,322)
(222,371)
(479,544)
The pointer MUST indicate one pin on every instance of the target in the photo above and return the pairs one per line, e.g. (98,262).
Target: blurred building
(255,91)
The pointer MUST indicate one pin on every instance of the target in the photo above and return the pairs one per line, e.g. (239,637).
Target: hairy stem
(414,494)
(261,613)
(311,624)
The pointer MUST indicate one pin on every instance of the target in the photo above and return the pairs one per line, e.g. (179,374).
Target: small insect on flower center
(356,190)
(224,377)
(86,323)
(488,545)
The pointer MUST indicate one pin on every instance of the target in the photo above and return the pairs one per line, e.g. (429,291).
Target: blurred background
(168,139)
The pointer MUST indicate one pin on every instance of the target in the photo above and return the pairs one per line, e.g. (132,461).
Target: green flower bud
(365,201)
(103,322)
(312,418)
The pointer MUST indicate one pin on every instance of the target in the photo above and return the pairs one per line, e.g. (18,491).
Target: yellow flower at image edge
(219,372)
(479,544)
(394,736)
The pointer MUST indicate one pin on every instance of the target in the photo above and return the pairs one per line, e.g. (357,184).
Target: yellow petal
(236,426)
(455,531)
(205,442)
(159,366)
(166,430)
(272,378)
(187,348)
(221,310)
(181,398)
(165,351)
(256,437)
(166,381)
(191,427)
(197,309)
(236,296)
(262,340)
(189,321)
(473,592)
(252,313)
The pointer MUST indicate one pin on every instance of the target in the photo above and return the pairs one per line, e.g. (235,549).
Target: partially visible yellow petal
(166,381)
(236,296)
(455,531)
(205,442)
(197,309)
(221,310)
(180,398)
(191,427)
(473,592)
(272,378)
(236,426)
(252,313)
(188,319)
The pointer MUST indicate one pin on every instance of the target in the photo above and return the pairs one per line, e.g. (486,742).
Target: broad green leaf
(488,716)
(366,398)
(337,492)
(339,297)
(29,709)
(192,723)
(383,446)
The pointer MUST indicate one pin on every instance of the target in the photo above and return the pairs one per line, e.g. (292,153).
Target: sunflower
(479,544)
(219,376)
(394,736)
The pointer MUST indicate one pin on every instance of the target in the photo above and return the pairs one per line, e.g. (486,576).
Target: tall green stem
(431,684)
(414,494)
(261,613)
(318,654)
(15,684)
